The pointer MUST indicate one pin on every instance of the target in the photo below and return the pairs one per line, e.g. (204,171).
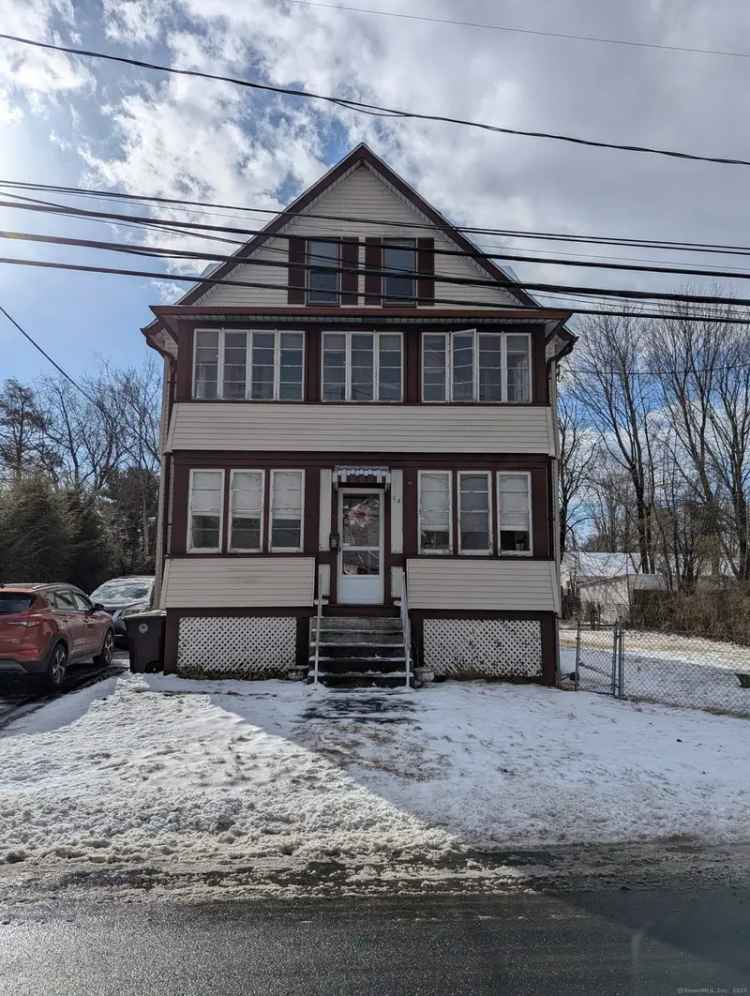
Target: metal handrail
(406,629)
(319,601)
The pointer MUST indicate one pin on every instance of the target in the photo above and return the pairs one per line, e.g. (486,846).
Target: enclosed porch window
(362,366)
(476,366)
(248,365)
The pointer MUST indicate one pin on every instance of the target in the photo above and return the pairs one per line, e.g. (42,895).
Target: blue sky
(71,121)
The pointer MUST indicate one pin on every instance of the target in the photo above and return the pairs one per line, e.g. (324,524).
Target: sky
(81,122)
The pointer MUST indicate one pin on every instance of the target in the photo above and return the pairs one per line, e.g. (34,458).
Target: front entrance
(360,560)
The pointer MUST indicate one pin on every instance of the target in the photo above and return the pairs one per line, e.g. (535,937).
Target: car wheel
(104,659)
(57,667)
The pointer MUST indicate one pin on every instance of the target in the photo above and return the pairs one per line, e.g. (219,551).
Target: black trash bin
(146,640)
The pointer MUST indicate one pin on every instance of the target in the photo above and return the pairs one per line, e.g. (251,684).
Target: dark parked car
(44,628)
(123,597)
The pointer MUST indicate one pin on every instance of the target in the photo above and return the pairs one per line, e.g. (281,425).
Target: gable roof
(361,155)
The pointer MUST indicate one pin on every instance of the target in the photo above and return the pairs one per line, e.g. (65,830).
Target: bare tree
(24,445)
(618,401)
(577,455)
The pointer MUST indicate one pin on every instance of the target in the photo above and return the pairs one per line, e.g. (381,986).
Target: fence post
(615,636)
(577,678)
(622,662)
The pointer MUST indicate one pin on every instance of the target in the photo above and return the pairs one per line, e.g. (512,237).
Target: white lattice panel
(255,646)
(492,648)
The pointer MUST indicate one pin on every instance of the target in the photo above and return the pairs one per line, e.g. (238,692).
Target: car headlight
(131,610)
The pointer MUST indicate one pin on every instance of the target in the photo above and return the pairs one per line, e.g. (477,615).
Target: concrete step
(367,623)
(345,681)
(369,651)
(356,637)
(353,665)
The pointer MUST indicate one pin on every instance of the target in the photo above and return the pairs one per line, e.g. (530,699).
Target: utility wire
(523,31)
(362,107)
(47,357)
(325,263)
(415,299)
(616,240)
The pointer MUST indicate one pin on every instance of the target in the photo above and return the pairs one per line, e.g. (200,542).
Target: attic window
(400,265)
(324,276)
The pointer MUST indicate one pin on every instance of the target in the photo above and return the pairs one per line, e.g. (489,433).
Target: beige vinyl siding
(238,582)
(360,194)
(487,585)
(324,514)
(362,428)
(397,511)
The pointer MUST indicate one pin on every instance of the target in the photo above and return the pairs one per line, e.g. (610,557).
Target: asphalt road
(650,941)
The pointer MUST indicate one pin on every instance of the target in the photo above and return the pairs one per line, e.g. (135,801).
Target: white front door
(361,546)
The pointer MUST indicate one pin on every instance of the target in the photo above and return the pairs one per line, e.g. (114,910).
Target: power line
(365,108)
(47,357)
(325,263)
(524,31)
(615,240)
(415,299)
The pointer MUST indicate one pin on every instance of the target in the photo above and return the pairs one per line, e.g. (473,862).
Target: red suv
(44,628)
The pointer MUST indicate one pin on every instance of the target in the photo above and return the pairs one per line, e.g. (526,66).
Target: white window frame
(308,272)
(435,553)
(448,339)
(286,549)
(247,470)
(514,553)
(487,474)
(191,548)
(348,400)
(277,333)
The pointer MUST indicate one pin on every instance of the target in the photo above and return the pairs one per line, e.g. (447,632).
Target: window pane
(518,368)
(323,278)
(513,500)
(206,364)
(463,367)
(362,367)
(205,532)
(434,512)
(434,364)
(290,375)
(400,256)
(475,512)
(205,509)
(246,509)
(390,368)
(235,356)
(286,509)
(263,357)
(334,367)
(490,374)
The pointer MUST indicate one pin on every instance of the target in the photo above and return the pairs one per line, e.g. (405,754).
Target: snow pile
(148,768)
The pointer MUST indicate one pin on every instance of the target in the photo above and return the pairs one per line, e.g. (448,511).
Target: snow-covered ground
(147,768)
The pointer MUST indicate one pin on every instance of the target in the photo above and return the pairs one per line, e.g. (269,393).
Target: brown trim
(539,381)
(426,265)
(296,288)
(349,262)
(411,511)
(185,338)
(360,610)
(202,459)
(549,649)
(412,364)
(312,365)
(302,657)
(373,261)
(311,512)
(226,530)
(536,316)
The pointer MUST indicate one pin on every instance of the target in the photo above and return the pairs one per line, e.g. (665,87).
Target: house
(602,583)
(355,428)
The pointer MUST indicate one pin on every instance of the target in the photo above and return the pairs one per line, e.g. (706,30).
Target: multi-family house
(359,421)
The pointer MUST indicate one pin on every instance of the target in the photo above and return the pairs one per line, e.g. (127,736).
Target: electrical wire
(47,356)
(567,36)
(362,107)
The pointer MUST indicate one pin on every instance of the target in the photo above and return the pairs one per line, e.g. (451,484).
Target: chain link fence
(653,666)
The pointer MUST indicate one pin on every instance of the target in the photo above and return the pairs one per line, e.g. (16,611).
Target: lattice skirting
(245,646)
(483,648)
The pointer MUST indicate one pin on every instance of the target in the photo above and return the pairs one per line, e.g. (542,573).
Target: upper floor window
(287,492)
(205,511)
(256,366)
(246,510)
(399,265)
(324,275)
(476,366)
(474,515)
(362,366)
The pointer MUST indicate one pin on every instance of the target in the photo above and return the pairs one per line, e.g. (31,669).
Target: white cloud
(135,21)
(33,78)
